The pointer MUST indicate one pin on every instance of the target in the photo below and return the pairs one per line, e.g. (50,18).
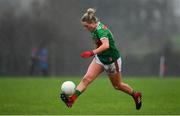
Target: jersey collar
(98,23)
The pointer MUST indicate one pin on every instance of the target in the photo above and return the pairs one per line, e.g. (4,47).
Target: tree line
(143,31)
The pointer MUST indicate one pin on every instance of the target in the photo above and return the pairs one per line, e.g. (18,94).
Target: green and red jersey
(110,55)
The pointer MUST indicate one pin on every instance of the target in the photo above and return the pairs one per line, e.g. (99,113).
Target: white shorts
(110,68)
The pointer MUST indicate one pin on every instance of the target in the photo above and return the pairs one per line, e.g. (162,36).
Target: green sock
(75,95)
(132,92)
(78,93)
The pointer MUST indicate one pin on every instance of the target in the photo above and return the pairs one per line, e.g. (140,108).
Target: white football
(68,87)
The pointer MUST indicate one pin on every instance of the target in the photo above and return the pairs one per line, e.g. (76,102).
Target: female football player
(106,57)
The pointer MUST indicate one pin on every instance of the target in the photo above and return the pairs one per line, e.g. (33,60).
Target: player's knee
(118,87)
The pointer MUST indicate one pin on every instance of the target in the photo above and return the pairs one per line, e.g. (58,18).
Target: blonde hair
(89,16)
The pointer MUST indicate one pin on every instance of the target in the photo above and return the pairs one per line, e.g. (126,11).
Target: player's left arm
(103,47)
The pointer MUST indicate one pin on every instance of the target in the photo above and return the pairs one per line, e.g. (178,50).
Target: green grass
(40,96)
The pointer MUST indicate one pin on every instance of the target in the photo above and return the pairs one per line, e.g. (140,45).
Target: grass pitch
(41,96)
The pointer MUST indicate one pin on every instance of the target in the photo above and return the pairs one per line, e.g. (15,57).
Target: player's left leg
(117,83)
(114,73)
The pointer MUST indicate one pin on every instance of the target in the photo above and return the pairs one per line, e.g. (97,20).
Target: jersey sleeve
(103,33)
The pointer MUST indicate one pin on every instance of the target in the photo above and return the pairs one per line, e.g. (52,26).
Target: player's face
(89,26)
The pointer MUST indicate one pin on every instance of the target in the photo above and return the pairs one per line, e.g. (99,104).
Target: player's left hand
(87,54)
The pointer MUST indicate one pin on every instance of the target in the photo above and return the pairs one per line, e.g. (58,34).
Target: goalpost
(162,67)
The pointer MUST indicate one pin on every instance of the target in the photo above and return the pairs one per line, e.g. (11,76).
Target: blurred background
(45,37)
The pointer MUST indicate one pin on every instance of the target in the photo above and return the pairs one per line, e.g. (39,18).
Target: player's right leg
(93,71)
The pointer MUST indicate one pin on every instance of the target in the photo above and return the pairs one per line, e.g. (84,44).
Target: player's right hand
(87,54)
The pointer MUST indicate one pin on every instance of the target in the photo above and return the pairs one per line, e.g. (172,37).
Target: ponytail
(89,16)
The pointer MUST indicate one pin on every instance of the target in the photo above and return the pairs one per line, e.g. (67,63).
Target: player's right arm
(104,46)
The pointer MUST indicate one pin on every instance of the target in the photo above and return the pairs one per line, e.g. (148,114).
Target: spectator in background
(33,61)
(43,61)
